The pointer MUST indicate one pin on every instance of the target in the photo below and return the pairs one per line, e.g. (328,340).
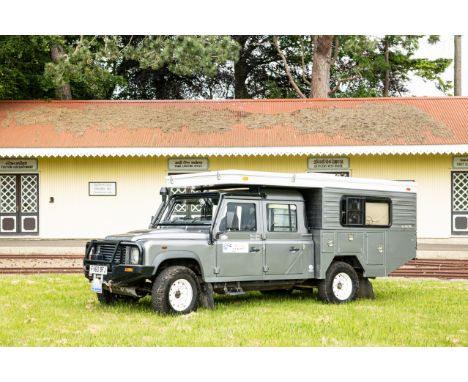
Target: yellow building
(84,169)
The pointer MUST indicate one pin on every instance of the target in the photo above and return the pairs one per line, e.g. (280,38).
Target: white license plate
(96,284)
(97,270)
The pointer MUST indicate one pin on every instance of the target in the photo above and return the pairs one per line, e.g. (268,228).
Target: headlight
(134,255)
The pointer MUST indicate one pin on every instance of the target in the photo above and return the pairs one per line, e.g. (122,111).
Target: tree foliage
(94,63)
(358,65)
(22,60)
(181,67)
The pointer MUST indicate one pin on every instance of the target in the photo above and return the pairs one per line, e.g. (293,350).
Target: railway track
(37,264)
(39,270)
(420,268)
(40,257)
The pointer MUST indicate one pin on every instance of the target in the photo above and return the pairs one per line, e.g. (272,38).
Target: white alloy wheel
(342,286)
(180,295)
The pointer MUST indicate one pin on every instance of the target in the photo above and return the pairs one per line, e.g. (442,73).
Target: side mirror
(214,236)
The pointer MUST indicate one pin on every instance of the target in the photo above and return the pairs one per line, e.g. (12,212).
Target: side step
(233,290)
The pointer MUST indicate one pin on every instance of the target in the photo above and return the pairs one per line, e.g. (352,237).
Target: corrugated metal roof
(234,124)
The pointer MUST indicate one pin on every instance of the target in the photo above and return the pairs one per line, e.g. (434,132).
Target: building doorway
(19,204)
(460,202)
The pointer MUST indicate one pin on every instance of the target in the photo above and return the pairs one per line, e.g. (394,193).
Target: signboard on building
(460,162)
(102,188)
(328,164)
(18,165)
(187,164)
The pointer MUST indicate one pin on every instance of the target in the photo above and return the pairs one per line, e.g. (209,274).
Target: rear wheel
(341,284)
(175,291)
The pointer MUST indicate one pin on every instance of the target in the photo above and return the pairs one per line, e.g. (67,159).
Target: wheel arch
(352,260)
(180,258)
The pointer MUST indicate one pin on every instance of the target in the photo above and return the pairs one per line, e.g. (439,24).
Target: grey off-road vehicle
(236,231)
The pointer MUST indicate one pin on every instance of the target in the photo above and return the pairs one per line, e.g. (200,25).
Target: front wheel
(341,284)
(175,291)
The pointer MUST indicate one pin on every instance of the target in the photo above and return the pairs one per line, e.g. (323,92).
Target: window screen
(377,213)
(282,217)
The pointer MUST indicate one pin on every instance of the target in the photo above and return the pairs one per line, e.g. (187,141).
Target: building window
(365,212)
(282,217)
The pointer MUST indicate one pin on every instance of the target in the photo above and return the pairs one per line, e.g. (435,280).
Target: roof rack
(237,178)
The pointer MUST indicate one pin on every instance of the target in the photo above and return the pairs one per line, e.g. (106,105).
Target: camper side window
(352,211)
(377,213)
(365,211)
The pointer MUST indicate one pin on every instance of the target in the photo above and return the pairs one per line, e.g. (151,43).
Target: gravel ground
(41,263)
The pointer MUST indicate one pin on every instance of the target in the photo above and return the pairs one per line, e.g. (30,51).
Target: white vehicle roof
(218,179)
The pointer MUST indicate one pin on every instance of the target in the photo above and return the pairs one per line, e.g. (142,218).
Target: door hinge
(216,270)
(266,268)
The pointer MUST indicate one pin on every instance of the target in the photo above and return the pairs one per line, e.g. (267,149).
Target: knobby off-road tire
(175,291)
(341,284)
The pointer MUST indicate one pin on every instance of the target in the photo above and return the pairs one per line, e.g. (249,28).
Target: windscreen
(190,210)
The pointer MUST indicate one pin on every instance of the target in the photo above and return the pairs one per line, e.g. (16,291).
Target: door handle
(293,249)
(254,249)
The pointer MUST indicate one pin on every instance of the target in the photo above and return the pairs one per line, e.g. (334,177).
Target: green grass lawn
(60,310)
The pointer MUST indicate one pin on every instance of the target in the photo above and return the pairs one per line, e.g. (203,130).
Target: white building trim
(232,151)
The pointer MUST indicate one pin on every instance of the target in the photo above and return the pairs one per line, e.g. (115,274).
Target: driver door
(239,246)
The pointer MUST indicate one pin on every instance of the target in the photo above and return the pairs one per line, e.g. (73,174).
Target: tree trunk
(241,69)
(240,77)
(321,66)
(386,88)
(457,70)
(63,91)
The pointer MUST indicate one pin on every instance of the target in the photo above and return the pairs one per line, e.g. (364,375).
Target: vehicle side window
(239,217)
(282,217)
(365,211)
(352,211)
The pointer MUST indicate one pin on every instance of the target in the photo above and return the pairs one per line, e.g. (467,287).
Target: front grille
(107,250)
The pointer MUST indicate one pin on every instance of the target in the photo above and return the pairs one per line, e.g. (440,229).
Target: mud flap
(365,289)
(206,296)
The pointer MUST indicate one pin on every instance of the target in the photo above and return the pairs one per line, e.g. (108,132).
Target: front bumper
(118,272)
(121,274)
